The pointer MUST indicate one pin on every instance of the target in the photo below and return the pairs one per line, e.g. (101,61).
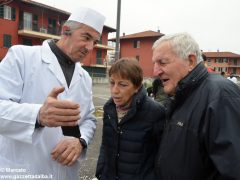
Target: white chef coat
(27,75)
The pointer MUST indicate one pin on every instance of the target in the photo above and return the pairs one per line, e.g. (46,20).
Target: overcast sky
(215,24)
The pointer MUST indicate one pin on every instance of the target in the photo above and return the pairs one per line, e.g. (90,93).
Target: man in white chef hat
(46,110)
(83,24)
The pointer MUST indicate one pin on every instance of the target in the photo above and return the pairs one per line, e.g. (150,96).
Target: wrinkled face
(121,89)
(78,44)
(170,68)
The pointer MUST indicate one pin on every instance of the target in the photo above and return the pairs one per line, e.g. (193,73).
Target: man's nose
(156,69)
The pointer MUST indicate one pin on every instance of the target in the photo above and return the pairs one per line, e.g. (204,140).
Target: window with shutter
(13,14)
(27,20)
(1,11)
(7,12)
(136,44)
(35,22)
(7,41)
(99,57)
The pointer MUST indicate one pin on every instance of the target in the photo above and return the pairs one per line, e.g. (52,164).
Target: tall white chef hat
(88,17)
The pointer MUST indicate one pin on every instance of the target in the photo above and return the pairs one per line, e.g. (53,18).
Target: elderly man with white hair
(201,140)
(46,107)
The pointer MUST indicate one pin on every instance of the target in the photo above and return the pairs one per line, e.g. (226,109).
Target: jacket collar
(49,58)
(110,107)
(186,87)
(191,81)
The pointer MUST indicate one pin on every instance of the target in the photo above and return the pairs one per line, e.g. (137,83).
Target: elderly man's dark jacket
(129,148)
(201,140)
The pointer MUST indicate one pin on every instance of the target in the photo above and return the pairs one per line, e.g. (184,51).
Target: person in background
(232,78)
(132,126)
(201,139)
(46,111)
(223,74)
(158,92)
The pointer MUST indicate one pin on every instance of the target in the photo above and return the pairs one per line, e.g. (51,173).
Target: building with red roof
(139,46)
(227,62)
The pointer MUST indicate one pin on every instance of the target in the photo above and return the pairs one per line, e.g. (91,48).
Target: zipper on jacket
(118,145)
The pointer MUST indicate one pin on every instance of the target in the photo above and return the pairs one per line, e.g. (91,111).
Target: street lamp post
(118,30)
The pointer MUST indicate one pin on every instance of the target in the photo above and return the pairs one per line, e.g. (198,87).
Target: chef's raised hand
(56,112)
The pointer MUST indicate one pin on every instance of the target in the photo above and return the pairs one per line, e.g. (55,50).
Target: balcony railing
(42,29)
(234,65)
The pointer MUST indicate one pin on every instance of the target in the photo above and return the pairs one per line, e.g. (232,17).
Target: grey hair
(73,25)
(182,45)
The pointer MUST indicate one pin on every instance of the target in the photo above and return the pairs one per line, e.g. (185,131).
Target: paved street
(100,94)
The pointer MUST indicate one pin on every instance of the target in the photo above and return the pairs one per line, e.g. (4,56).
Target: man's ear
(192,61)
(66,30)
